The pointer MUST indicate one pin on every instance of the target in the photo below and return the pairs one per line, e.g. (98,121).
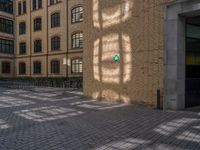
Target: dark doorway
(192,87)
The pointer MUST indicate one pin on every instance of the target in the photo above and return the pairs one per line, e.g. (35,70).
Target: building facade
(133,49)
(6,38)
(49,38)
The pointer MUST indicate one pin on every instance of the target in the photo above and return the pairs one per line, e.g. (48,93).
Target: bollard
(158,99)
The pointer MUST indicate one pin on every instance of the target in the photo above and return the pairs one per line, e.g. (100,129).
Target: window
(77,40)
(22,68)
(19,8)
(77,14)
(55,66)
(37,46)
(5,67)
(34,2)
(55,20)
(22,28)
(37,24)
(77,66)
(39,4)
(22,48)
(6,26)
(55,43)
(6,6)
(51,2)
(6,46)
(24,7)
(37,67)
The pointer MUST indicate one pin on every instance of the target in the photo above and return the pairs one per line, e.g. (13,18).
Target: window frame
(5,69)
(24,7)
(79,67)
(75,16)
(22,28)
(36,46)
(55,43)
(40,4)
(22,48)
(74,41)
(55,68)
(6,25)
(55,19)
(6,46)
(34,4)
(37,26)
(23,71)
(19,8)
(35,69)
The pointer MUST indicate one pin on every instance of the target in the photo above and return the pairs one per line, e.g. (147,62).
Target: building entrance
(192,84)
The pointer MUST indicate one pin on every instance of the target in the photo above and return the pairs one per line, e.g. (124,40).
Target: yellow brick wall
(7,57)
(64,31)
(134,29)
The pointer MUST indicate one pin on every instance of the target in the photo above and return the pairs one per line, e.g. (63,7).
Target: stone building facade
(6,39)
(144,35)
(49,38)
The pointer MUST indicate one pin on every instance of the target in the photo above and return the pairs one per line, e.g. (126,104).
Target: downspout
(47,56)
(67,39)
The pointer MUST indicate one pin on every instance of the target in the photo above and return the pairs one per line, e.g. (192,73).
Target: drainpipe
(67,39)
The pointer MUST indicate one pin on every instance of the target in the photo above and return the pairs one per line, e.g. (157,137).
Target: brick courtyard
(56,119)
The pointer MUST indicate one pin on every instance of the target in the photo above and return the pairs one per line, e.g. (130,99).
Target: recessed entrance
(192,84)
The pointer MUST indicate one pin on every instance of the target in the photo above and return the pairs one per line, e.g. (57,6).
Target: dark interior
(193,62)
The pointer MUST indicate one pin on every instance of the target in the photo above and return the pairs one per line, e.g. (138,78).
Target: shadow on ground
(58,119)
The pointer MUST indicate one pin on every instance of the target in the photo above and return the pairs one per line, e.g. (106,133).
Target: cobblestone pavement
(56,119)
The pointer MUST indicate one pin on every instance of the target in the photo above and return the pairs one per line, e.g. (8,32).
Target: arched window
(77,40)
(55,43)
(77,14)
(37,46)
(77,66)
(22,68)
(37,24)
(55,20)
(55,66)
(37,67)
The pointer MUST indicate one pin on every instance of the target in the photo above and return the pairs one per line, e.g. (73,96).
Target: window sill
(76,22)
(34,10)
(40,52)
(37,30)
(56,50)
(21,15)
(22,34)
(55,74)
(77,48)
(55,27)
(77,73)
(54,4)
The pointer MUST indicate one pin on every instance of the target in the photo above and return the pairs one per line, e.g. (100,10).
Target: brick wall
(134,29)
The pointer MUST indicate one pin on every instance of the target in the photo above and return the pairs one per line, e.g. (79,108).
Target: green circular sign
(116,57)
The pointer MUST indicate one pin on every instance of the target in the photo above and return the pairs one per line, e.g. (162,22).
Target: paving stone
(58,119)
